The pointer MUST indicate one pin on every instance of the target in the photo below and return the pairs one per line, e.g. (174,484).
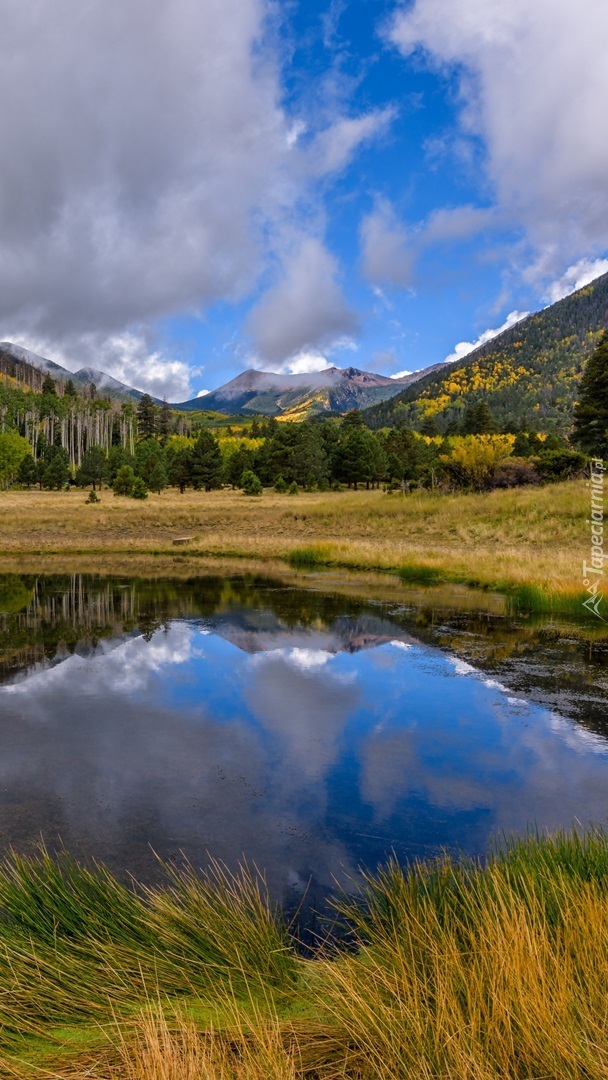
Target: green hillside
(528,375)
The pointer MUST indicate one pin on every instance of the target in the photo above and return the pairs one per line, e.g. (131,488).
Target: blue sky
(192,188)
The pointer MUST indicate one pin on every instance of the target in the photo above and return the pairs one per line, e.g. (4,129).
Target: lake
(306,729)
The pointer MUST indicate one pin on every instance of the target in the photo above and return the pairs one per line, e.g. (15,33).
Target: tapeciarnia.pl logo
(593,571)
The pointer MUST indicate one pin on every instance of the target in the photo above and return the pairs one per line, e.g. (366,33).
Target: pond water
(308,730)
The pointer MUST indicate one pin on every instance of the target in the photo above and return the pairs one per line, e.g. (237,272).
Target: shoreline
(526,545)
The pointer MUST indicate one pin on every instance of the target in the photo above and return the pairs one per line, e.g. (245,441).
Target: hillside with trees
(528,375)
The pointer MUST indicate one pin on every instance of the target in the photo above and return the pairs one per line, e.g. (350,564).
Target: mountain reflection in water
(307,731)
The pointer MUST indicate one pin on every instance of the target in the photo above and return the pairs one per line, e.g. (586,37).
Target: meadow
(529,543)
(445,969)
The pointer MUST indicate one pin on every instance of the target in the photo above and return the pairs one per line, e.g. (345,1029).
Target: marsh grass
(453,968)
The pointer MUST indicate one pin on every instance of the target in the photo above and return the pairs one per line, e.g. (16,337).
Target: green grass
(311,556)
(453,968)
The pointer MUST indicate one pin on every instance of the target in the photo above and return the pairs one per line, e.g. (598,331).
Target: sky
(189,188)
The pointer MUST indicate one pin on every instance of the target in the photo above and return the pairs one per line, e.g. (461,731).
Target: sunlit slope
(528,375)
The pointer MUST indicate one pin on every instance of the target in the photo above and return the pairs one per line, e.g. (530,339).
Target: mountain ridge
(528,374)
(304,394)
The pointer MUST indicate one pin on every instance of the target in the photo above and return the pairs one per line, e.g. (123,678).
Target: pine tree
(125,480)
(28,472)
(591,412)
(251,483)
(94,468)
(146,417)
(48,385)
(158,479)
(206,462)
(180,474)
(164,422)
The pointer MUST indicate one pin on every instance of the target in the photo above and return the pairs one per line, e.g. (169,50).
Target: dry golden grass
(461,972)
(504,538)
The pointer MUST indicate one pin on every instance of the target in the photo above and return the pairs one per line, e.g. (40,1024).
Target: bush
(139,489)
(125,479)
(251,483)
(559,465)
(293,488)
(93,497)
(514,472)
(280,486)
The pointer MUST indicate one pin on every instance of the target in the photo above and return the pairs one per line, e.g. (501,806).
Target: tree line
(140,448)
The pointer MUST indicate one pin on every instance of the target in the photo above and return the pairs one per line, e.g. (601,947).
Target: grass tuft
(454,968)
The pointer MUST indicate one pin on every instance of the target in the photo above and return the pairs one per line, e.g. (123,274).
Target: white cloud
(203,393)
(463,348)
(400,374)
(304,309)
(148,167)
(127,356)
(388,252)
(334,148)
(576,277)
(139,143)
(533,81)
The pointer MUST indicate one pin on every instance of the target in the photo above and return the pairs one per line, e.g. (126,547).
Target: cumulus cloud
(147,169)
(533,81)
(576,277)
(139,141)
(463,348)
(304,309)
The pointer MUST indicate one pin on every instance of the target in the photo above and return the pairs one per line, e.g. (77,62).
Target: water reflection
(308,731)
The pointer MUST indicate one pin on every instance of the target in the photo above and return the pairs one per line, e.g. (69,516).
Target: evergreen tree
(146,417)
(158,479)
(429,427)
(94,468)
(125,480)
(28,472)
(139,489)
(235,465)
(57,472)
(478,420)
(117,457)
(206,462)
(180,473)
(164,422)
(353,419)
(69,389)
(251,483)
(48,385)
(521,446)
(591,412)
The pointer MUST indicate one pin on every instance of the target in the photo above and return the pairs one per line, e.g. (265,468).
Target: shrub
(514,472)
(93,497)
(559,465)
(251,483)
(139,489)
(125,479)
(280,486)
(293,488)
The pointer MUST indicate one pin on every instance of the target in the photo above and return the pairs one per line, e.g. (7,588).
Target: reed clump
(451,968)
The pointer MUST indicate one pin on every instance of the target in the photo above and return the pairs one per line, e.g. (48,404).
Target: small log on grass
(183,539)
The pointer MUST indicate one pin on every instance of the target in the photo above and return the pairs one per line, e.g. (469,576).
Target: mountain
(528,375)
(294,397)
(22,361)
